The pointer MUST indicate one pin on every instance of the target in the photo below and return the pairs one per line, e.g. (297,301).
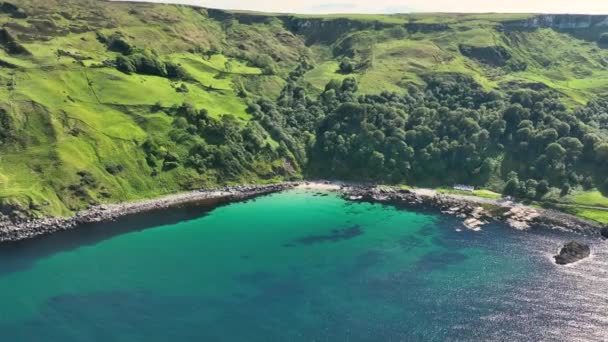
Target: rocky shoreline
(21,229)
(474,211)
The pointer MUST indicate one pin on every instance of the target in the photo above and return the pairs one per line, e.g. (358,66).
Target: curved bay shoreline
(22,229)
(474,211)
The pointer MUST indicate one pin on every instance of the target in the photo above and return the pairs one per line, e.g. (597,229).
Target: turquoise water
(299,266)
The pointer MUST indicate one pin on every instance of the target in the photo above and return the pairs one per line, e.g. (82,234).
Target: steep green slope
(106,102)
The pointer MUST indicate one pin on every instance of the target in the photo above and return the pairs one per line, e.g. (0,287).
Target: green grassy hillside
(107,102)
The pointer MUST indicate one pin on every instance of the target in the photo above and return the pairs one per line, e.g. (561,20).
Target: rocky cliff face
(314,30)
(327,30)
(561,22)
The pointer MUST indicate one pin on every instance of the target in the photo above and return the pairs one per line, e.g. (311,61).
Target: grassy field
(558,60)
(589,198)
(75,116)
(478,193)
(592,205)
(600,216)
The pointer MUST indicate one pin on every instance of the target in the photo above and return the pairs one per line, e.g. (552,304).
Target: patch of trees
(292,118)
(223,147)
(397,32)
(492,55)
(603,40)
(595,113)
(450,131)
(182,88)
(157,156)
(423,137)
(116,42)
(115,169)
(86,182)
(147,63)
(6,126)
(134,60)
(264,62)
(346,66)
(454,132)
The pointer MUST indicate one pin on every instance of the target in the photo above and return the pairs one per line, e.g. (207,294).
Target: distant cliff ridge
(561,21)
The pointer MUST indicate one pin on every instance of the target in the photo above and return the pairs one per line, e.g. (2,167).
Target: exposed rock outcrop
(521,217)
(320,30)
(491,55)
(475,212)
(604,232)
(560,21)
(414,27)
(573,251)
(10,45)
(12,10)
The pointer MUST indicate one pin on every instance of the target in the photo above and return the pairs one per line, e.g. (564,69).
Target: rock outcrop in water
(573,251)
(604,232)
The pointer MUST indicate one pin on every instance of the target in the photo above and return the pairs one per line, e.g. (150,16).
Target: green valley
(106,102)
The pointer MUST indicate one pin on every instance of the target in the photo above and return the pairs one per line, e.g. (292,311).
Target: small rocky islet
(572,252)
(604,232)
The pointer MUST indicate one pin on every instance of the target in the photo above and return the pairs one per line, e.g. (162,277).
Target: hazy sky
(392,6)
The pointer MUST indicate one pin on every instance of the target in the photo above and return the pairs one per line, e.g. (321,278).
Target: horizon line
(179,3)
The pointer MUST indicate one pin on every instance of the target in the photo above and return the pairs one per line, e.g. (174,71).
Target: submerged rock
(571,252)
(604,232)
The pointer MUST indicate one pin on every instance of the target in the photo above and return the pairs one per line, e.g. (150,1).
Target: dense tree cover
(223,147)
(451,131)
(595,113)
(432,136)
(292,118)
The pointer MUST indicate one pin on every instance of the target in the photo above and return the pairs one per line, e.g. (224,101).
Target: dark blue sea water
(300,266)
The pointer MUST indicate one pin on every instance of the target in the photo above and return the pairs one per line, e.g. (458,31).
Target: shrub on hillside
(182,88)
(148,64)
(116,42)
(346,66)
(6,126)
(398,32)
(264,62)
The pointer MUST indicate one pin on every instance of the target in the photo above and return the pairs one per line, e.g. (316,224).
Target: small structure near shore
(466,188)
